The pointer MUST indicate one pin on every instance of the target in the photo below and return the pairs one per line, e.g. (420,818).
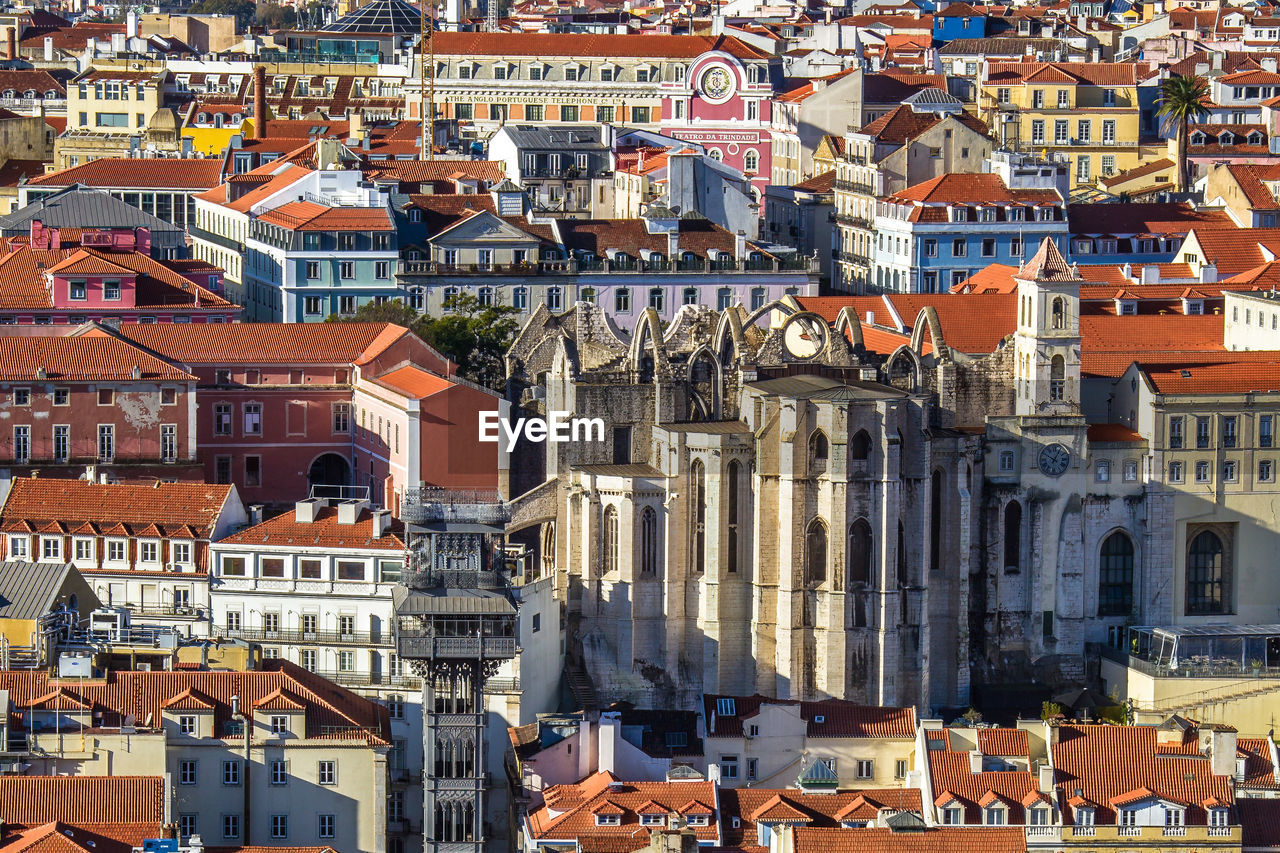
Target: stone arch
(648,335)
(848,324)
(928,320)
(786,307)
(729,341)
(816,548)
(903,369)
(1117,572)
(709,405)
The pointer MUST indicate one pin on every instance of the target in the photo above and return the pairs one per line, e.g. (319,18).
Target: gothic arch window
(648,541)
(609,561)
(860,446)
(1058,313)
(859,557)
(1057,378)
(733,499)
(818,452)
(1206,574)
(1115,576)
(935,521)
(1012,536)
(548,547)
(815,553)
(698,478)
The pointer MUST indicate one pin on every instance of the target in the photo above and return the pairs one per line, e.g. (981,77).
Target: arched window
(1206,574)
(815,553)
(1012,536)
(859,556)
(732,500)
(1057,382)
(698,476)
(860,446)
(485,296)
(751,162)
(818,450)
(548,555)
(935,522)
(1115,576)
(609,561)
(1058,313)
(649,541)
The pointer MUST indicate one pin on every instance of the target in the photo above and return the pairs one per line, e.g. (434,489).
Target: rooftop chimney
(304,512)
(740,245)
(48,48)
(259,102)
(255,514)
(11,42)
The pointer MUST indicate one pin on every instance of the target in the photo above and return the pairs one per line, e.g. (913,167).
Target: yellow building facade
(1086,112)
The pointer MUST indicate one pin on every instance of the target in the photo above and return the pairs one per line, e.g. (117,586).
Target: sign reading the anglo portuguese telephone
(747,137)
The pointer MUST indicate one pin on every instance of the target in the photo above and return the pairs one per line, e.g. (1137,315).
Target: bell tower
(1047,343)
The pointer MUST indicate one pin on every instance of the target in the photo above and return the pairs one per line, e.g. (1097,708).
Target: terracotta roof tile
(932,840)
(585,45)
(1259,822)
(1003,742)
(950,771)
(34,800)
(602,793)
(415,382)
(159,173)
(169,504)
(325,532)
(1259,772)
(819,183)
(840,718)
(903,123)
(1075,73)
(268,343)
(1228,377)
(308,216)
(83,358)
(332,712)
(820,809)
(970,189)
(1114,434)
(1114,764)
(1048,264)
(1122,218)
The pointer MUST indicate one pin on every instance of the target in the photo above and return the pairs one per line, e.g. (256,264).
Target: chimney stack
(11,42)
(259,102)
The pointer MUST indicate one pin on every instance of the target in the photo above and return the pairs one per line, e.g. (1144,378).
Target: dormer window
(1127,817)
(1016,214)
(1255,138)
(608,820)
(1174,815)
(1197,138)
(995,815)
(1127,306)
(1217,817)
(1226,138)
(988,214)
(1039,816)
(1046,214)
(953,816)
(699,820)
(653,820)
(957,214)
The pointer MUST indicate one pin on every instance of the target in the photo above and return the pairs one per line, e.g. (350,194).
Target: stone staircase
(584,692)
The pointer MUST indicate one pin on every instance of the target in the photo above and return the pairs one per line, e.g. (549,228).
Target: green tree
(1182,100)
(474,336)
(276,17)
(1049,710)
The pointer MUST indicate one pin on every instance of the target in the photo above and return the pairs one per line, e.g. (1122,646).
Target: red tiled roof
(823,183)
(1139,171)
(308,216)
(1075,73)
(1113,434)
(903,123)
(1113,763)
(970,189)
(984,839)
(161,173)
(1259,772)
(949,770)
(590,45)
(332,712)
(840,718)
(602,793)
(325,532)
(1003,742)
(1048,264)
(267,343)
(1249,178)
(34,800)
(1121,218)
(83,358)
(169,504)
(824,809)
(414,381)
(1259,822)
(59,837)
(1227,377)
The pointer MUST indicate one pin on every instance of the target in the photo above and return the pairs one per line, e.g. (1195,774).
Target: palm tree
(1182,100)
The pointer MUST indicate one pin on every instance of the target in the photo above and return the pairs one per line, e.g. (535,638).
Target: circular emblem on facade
(804,336)
(717,83)
(1054,459)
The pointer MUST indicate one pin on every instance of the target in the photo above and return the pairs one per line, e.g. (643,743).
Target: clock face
(805,336)
(1054,459)
(717,83)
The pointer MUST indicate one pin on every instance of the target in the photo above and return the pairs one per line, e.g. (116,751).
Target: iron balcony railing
(585,266)
(328,638)
(429,504)
(418,644)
